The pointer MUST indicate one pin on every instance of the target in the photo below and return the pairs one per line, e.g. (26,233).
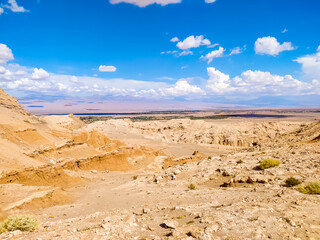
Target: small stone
(169,224)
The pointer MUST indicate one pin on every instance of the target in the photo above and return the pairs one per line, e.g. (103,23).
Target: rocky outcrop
(11,103)
(248,134)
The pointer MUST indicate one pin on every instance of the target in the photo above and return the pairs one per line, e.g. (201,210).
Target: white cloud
(185,53)
(182,88)
(213,45)
(236,50)
(175,39)
(218,82)
(1,10)
(193,42)
(104,68)
(210,1)
(170,52)
(284,30)
(311,65)
(214,54)
(74,79)
(250,83)
(39,74)
(166,78)
(5,54)
(144,3)
(13,6)
(258,83)
(271,46)
(2,70)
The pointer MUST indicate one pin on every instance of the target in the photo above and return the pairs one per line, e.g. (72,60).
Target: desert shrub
(310,188)
(135,177)
(268,163)
(239,161)
(192,187)
(291,182)
(19,222)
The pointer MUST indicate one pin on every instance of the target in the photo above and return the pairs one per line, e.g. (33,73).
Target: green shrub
(291,182)
(268,163)
(19,222)
(192,187)
(310,188)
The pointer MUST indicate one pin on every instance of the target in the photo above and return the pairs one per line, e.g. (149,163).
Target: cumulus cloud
(39,74)
(214,54)
(258,83)
(218,82)
(175,39)
(104,68)
(193,42)
(5,54)
(1,10)
(311,65)
(144,3)
(183,88)
(210,1)
(271,46)
(249,83)
(13,6)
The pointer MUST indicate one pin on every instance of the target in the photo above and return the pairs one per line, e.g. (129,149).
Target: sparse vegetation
(291,182)
(269,163)
(19,222)
(310,188)
(135,177)
(192,187)
(239,161)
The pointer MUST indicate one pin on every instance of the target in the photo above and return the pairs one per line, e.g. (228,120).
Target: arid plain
(190,175)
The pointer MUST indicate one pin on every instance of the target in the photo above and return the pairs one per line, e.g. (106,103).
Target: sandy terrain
(119,179)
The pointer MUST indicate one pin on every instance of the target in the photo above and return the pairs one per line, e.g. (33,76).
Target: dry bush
(291,182)
(268,163)
(19,222)
(310,188)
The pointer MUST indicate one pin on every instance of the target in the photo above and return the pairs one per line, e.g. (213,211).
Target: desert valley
(175,178)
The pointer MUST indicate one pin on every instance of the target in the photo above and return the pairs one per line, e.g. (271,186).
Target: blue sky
(164,50)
